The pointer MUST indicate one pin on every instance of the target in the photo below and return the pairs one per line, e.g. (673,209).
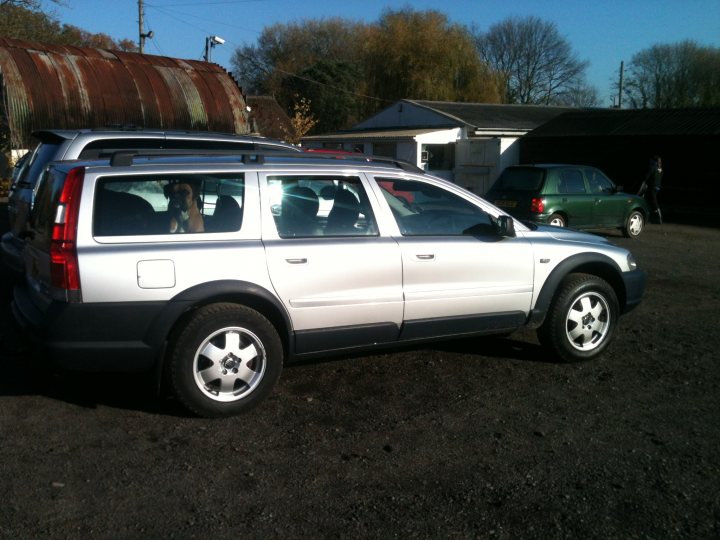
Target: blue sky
(603,32)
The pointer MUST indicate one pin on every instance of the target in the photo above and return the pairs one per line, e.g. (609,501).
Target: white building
(468,143)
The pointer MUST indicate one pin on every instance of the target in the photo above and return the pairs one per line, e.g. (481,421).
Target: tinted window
(571,181)
(520,179)
(43,154)
(140,205)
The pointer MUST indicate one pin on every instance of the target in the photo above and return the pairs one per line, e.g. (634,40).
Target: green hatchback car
(574,196)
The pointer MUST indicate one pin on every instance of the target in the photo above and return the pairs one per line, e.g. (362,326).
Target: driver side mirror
(505,226)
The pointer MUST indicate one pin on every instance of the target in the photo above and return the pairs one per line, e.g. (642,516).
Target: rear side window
(168,204)
(520,179)
(571,182)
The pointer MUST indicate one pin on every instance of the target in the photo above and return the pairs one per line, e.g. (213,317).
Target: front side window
(422,209)
(168,204)
(599,183)
(314,206)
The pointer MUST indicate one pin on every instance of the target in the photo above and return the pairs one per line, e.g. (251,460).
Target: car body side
(119,325)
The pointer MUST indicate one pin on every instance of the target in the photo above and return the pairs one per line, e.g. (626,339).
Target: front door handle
(297,261)
(425,257)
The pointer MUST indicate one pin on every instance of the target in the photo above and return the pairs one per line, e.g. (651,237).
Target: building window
(385,149)
(439,157)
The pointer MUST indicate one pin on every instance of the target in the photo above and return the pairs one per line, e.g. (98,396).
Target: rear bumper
(11,248)
(91,337)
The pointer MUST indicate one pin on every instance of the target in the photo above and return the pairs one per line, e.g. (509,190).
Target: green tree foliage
(536,63)
(348,69)
(674,75)
(421,55)
(331,88)
(283,50)
(22,20)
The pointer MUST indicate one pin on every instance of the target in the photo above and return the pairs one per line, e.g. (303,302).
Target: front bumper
(634,282)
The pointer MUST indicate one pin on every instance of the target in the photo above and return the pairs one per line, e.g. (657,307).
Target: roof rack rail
(126,157)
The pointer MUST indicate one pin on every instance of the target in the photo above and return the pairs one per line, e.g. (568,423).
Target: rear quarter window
(168,204)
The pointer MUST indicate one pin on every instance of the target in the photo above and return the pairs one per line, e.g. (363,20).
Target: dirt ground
(480,438)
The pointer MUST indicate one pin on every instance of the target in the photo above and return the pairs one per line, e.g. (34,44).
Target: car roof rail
(126,157)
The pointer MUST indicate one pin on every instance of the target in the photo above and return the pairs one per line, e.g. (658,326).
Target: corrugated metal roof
(632,122)
(65,87)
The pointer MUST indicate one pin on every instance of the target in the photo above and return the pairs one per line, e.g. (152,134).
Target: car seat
(344,214)
(299,210)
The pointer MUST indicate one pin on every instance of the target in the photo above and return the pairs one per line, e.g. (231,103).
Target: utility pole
(620,86)
(141,26)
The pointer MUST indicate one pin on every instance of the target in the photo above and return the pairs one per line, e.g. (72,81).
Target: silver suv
(56,145)
(216,271)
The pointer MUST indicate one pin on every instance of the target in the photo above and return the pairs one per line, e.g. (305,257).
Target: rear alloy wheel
(225,360)
(634,224)
(556,220)
(581,319)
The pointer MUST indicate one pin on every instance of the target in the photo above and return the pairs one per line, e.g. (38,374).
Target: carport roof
(493,116)
(631,122)
(394,134)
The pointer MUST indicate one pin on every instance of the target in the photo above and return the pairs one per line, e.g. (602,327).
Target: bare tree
(536,63)
(674,75)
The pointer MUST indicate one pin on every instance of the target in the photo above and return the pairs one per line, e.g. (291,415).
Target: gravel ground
(478,438)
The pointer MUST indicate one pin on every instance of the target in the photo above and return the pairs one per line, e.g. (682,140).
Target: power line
(170,14)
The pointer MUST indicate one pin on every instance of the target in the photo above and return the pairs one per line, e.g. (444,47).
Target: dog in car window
(183,207)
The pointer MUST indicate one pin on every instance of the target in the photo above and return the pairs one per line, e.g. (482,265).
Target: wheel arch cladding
(239,292)
(595,264)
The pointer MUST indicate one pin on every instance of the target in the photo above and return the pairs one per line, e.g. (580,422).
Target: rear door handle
(425,257)
(297,261)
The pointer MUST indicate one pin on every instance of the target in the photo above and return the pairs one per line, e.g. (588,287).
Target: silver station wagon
(216,271)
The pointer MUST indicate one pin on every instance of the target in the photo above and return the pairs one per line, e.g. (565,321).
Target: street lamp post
(210,43)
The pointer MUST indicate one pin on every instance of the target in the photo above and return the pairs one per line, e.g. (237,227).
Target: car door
(610,205)
(459,275)
(340,280)
(575,201)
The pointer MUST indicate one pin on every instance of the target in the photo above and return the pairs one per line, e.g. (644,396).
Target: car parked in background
(58,145)
(576,196)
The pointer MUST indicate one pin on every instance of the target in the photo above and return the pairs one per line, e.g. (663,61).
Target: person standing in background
(652,184)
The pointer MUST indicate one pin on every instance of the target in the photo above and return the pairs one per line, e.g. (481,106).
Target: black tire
(224,360)
(581,320)
(634,224)
(557,220)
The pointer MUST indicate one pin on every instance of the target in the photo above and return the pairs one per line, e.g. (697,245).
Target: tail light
(537,205)
(64,271)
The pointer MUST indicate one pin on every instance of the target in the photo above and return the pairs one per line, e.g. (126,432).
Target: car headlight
(632,263)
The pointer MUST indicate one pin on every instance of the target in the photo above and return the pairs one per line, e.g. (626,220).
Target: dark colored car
(574,196)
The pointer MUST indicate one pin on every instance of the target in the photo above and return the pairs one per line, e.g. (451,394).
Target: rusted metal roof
(65,87)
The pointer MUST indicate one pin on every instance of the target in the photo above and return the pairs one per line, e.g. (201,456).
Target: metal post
(140,25)
(620,90)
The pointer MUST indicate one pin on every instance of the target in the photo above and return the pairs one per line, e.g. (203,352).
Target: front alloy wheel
(581,319)
(634,224)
